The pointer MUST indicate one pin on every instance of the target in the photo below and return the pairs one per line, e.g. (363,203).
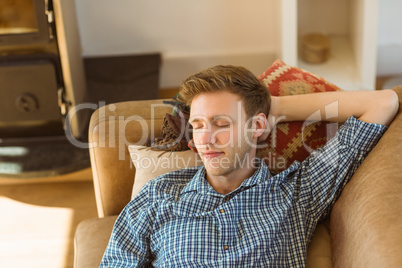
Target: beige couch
(365,224)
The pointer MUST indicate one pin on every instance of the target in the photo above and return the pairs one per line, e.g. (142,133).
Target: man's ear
(259,125)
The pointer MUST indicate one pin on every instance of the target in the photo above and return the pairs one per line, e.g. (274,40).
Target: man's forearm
(370,106)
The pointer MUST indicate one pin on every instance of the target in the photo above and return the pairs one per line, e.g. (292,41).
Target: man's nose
(206,137)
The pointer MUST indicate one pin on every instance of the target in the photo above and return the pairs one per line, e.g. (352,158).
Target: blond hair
(235,79)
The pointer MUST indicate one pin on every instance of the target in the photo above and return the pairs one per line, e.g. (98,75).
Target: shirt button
(225,247)
(227,198)
(222,210)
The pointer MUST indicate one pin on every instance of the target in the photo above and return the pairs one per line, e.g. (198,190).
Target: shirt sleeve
(129,242)
(328,169)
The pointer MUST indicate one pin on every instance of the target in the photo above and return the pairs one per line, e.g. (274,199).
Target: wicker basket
(315,48)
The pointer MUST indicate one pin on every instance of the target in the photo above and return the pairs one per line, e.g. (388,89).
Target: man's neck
(228,183)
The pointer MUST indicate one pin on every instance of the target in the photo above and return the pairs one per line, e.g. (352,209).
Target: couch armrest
(366,221)
(90,241)
(112,128)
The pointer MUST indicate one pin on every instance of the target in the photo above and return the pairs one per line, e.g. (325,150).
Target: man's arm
(369,106)
(327,170)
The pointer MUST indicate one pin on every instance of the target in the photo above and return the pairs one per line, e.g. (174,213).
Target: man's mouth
(211,154)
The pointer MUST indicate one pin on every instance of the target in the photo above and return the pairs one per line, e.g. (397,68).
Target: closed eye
(222,124)
(197,125)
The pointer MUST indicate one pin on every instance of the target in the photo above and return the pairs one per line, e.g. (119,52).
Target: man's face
(220,132)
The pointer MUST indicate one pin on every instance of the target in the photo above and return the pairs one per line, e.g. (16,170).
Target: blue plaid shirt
(179,220)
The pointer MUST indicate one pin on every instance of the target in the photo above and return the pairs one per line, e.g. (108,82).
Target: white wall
(195,34)
(190,34)
(390,22)
(389,59)
(327,17)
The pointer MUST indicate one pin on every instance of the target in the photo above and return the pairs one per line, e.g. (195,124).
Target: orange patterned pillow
(291,141)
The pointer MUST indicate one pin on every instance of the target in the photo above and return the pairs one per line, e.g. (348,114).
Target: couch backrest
(366,221)
(112,128)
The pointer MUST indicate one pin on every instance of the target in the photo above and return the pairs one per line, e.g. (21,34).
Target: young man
(232,211)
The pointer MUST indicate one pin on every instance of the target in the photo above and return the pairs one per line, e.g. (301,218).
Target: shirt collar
(202,186)
(261,175)
(198,182)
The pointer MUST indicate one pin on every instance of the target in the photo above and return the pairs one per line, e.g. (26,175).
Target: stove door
(29,101)
(24,22)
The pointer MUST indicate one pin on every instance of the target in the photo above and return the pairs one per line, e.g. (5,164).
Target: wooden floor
(39,217)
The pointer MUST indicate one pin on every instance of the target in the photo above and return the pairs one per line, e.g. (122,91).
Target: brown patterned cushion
(290,141)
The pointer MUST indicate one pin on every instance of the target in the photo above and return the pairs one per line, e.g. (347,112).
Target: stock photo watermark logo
(111,129)
(165,161)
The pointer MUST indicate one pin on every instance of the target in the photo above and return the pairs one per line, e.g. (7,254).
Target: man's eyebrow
(224,117)
(215,118)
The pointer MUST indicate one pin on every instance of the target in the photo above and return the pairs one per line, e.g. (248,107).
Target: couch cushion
(150,163)
(91,239)
(291,141)
(319,252)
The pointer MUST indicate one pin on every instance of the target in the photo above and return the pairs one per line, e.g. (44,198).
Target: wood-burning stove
(41,69)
